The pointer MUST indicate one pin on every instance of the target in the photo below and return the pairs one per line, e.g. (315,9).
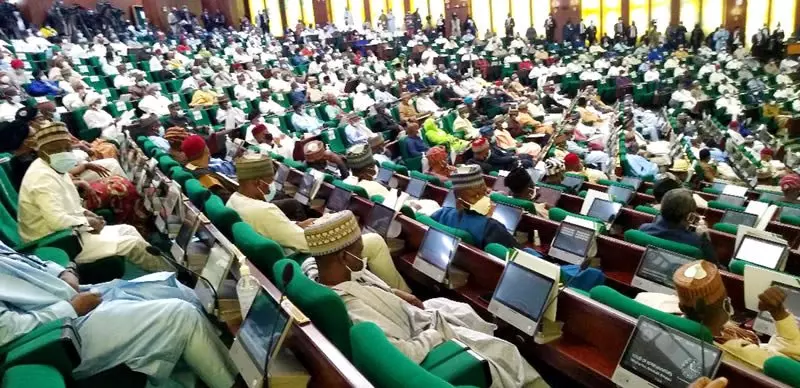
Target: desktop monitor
(303,194)
(620,194)
(571,243)
(338,200)
(213,274)
(450,200)
(732,199)
(790,211)
(660,356)
(507,215)
(739,218)
(720,187)
(521,296)
(435,254)
(189,226)
(573,183)
(280,176)
(547,196)
(770,197)
(655,270)
(604,210)
(379,219)
(500,185)
(762,252)
(635,182)
(416,187)
(384,176)
(756,280)
(259,339)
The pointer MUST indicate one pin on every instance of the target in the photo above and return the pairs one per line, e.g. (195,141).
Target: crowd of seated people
(230,104)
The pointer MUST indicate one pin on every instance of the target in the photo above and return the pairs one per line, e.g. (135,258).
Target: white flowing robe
(415,332)
(148,324)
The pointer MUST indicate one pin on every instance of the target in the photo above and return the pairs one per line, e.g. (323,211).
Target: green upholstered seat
(358,190)
(261,251)
(8,194)
(400,169)
(33,376)
(460,233)
(52,254)
(497,250)
(385,366)
(552,186)
(521,203)
(180,175)
(66,240)
(737,266)
(48,343)
(425,177)
(641,238)
(648,210)
(724,206)
(726,227)
(166,163)
(196,192)
(220,215)
(783,369)
(626,305)
(295,165)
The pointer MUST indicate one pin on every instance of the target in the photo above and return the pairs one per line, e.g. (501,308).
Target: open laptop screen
(573,239)
(306,185)
(384,175)
(635,182)
(739,218)
(658,265)
(665,357)
(416,187)
(187,230)
(732,199)
(523,290)
(380,218)
(509,216)
(263,329)
(438,248)
(281,175)
(548,196)
(338,200)
(620,194)
(604,210)
(572,183)
(761,252)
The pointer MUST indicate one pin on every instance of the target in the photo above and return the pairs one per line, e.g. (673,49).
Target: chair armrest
(33,376)
(56,344)
(66,240)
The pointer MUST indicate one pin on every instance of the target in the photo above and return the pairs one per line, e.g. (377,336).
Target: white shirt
(277,85)
(8,111)
(651,75)
(190,83)
(362,101)
(155,64)
(269,221)
(233,117)
(73,101)
(685,98)
(244,93)
(157,105)
(270,107)
(98,119)
(384,97)
(426,105)
(123,81)
(716,77)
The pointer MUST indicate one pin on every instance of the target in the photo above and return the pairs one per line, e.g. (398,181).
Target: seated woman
(413,326)
(175,136)
(437,136)
(677,216)
(702,298)
(437,163)
(790,185)
(521,186)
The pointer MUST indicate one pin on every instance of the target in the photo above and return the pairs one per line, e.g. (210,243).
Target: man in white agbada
(148,324)
(412,326)
(231,116)
(96,118)
(154,102)
(49,202)
(362,101)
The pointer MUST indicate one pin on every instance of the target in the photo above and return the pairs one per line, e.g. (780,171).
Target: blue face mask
(271,191)
(63,161)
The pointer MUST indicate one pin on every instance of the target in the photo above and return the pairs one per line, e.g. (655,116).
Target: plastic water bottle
(246,289)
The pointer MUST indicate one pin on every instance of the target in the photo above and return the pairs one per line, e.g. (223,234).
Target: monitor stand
(286,371)
(548,331)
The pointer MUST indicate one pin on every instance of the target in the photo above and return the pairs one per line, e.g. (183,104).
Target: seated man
(177,117)
(319,158)
(462,124)
(702,298)
(491,158)
(677,215)
(154,102)
(203,97)
(383,121)
(230,116)
(406,109)
(412,326)
(356,130)
(198,160)
(521,186)
(573,164)
(415,146)
(268,106)
(97,118)
(437,136)
(303,122)
(148,325)
(362,167)
(49,202)
(175,136)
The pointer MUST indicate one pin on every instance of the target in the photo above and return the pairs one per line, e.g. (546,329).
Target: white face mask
(270,195)
(180,113)
(16,99)
(5,79)
(161,131)
(356,275)
(142,83)
(56,116)
(63,161)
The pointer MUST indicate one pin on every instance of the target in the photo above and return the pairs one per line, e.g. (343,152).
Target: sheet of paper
(580,222)
(738,191)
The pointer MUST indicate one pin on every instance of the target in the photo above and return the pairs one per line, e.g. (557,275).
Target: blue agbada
(150,324)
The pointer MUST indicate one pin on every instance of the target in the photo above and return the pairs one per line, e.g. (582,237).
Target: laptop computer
(770,197)
(215,271)
(720,187)
(450,200)
(571,243)
(259,339)
(384,176)
(739,218)
(189,225)
(635,182)
(507,215)
(280,176)
(416,187)
(732,199)
(655,270)
(661,357)
(762,252)
(790,211)
(521,296)
(500,185)
(547,196)
(573,183)
(620,194)
(435,254)
(338,200)
(604,210)
(379,219)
